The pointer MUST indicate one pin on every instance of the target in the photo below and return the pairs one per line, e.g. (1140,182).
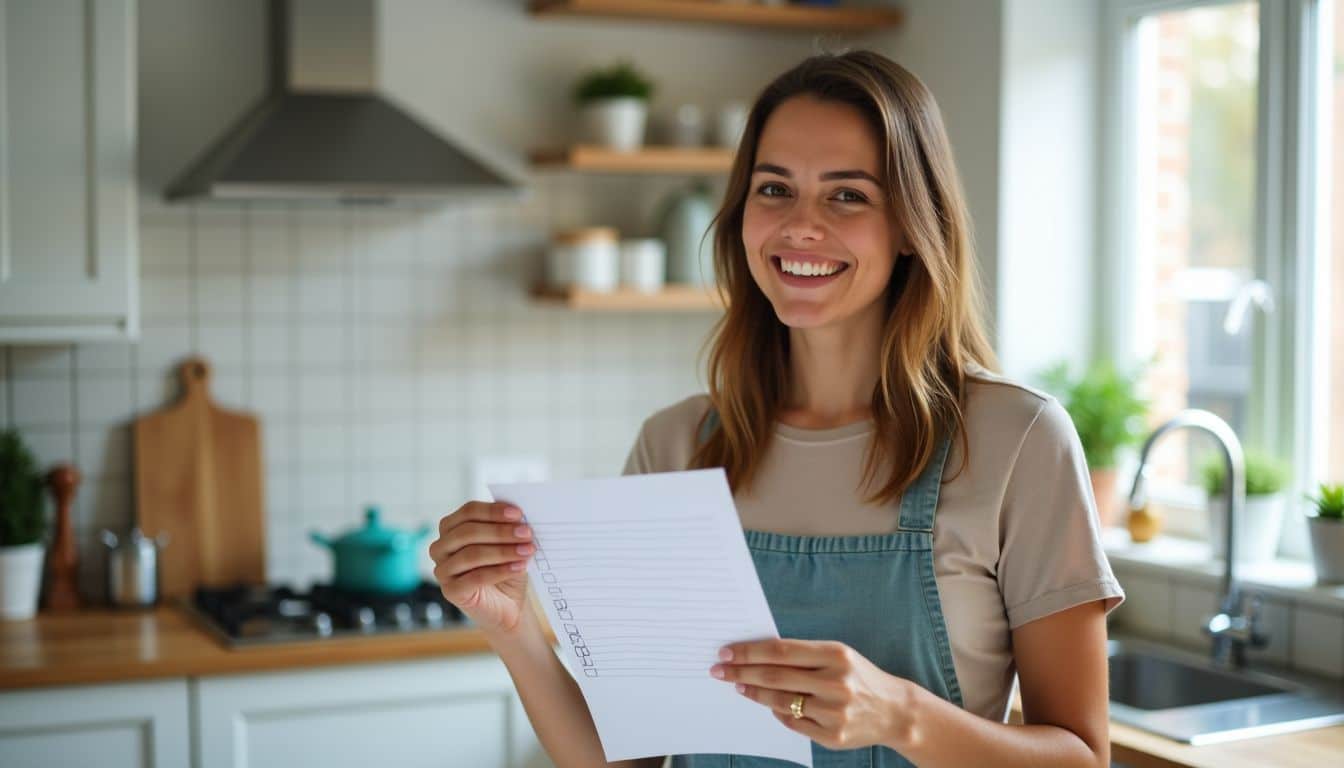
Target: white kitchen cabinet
(143,725)
(68,247)
(458,711)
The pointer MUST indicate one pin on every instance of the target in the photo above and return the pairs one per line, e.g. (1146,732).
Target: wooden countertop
(1140,749)
(99,646)
(102,646)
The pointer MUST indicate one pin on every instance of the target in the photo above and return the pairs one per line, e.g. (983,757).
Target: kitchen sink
(1184,696)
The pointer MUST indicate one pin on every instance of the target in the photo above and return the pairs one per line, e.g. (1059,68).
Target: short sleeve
(1050,556)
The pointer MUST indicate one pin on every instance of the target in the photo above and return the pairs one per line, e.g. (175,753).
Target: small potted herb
(1326,525)
(22,527)
(614,104)
(1262,520)
(1108,414)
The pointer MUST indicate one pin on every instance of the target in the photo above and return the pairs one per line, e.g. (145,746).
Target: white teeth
(808,269)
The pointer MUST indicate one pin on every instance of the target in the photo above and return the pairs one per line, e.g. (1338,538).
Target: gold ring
(797,707)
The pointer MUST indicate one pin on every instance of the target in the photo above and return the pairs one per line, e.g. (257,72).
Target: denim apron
(875,593)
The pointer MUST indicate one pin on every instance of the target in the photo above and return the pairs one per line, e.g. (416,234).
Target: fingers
(478,522)
(467,534)
(788,651)
(480,555)
(781,703)
(464,591)
(792,680)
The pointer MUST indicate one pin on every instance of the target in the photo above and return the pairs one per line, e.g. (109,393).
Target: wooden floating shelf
(672,298)
(648,159)
(796,17)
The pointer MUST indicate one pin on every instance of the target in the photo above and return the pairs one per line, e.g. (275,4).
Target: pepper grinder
(62,593)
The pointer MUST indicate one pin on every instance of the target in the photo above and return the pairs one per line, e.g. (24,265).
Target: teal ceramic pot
(375,558)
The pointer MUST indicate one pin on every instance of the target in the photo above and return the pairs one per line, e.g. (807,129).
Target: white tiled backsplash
(381,349)
(1170,605)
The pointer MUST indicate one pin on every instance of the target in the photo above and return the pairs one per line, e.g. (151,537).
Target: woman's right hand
(480,561)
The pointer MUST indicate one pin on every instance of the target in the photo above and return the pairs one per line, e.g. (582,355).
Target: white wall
(1048,160)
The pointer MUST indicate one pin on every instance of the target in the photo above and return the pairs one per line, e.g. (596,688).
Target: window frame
(1287,369)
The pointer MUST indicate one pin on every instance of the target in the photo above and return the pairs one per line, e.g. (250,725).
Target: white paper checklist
(643,579)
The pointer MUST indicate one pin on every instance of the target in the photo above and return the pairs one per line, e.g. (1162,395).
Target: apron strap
(920,500)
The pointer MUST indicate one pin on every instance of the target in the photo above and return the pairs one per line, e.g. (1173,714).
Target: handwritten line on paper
(643,578)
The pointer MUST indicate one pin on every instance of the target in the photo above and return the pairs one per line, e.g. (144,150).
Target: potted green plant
(1262,520)
(22,527)
(1326,525)
(1108,413)
(614,105)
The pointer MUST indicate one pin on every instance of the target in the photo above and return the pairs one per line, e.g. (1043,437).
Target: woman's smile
(807,273)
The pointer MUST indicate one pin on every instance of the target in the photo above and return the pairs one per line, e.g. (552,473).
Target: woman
(923,528)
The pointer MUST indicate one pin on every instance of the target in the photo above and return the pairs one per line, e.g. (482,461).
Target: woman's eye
(856,199)
(764,187)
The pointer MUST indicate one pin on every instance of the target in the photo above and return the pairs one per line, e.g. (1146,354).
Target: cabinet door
(123,724)
(458,711)
(68,254)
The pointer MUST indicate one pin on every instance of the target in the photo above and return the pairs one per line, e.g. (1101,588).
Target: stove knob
(433,613)
(364,618)
(401,613)
(322,623)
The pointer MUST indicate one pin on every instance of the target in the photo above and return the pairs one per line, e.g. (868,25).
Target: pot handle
(318,538)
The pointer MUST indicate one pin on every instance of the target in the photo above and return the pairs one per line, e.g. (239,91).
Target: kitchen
(401,355)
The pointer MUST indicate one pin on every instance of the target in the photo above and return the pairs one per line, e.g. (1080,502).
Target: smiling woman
(922,527)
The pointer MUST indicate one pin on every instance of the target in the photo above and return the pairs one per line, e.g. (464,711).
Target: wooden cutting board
(198,478)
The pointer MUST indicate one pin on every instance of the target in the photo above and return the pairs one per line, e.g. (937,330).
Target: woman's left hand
(848,702)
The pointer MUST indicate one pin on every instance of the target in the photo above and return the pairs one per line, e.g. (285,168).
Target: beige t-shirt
(1015,535)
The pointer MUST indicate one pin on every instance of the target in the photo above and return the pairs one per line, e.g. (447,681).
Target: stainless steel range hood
(324,132)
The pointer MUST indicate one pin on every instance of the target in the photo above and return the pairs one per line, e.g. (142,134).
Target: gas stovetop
(261,614)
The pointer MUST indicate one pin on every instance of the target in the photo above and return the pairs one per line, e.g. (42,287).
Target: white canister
(587,258)
(688,126)
(643,264)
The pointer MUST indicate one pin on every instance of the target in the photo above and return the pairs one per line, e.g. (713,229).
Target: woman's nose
(801,223)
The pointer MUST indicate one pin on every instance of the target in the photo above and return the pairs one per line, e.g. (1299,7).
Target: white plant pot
(1257,531)
(617,123)
(20,580)
(1327,549)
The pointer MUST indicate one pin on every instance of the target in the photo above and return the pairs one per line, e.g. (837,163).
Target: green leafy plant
(618,80)
(1329,501)
(1265,474)
(1105,408)
(22,519)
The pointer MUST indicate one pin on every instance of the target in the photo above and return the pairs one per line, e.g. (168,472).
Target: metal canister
(133,568)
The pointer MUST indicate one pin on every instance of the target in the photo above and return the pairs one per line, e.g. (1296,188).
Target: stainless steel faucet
(1232,629)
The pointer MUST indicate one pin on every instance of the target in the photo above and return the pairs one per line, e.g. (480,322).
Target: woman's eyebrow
(827,176)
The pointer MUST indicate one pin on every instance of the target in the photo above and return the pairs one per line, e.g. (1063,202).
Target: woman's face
(815,205)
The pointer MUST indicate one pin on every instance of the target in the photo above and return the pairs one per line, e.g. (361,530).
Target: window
(1224,146)
(1330,317)
(1194,209)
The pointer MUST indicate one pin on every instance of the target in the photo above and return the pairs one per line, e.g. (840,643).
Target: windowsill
(1169,555)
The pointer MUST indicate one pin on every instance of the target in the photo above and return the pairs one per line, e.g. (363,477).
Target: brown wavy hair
(934,328)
